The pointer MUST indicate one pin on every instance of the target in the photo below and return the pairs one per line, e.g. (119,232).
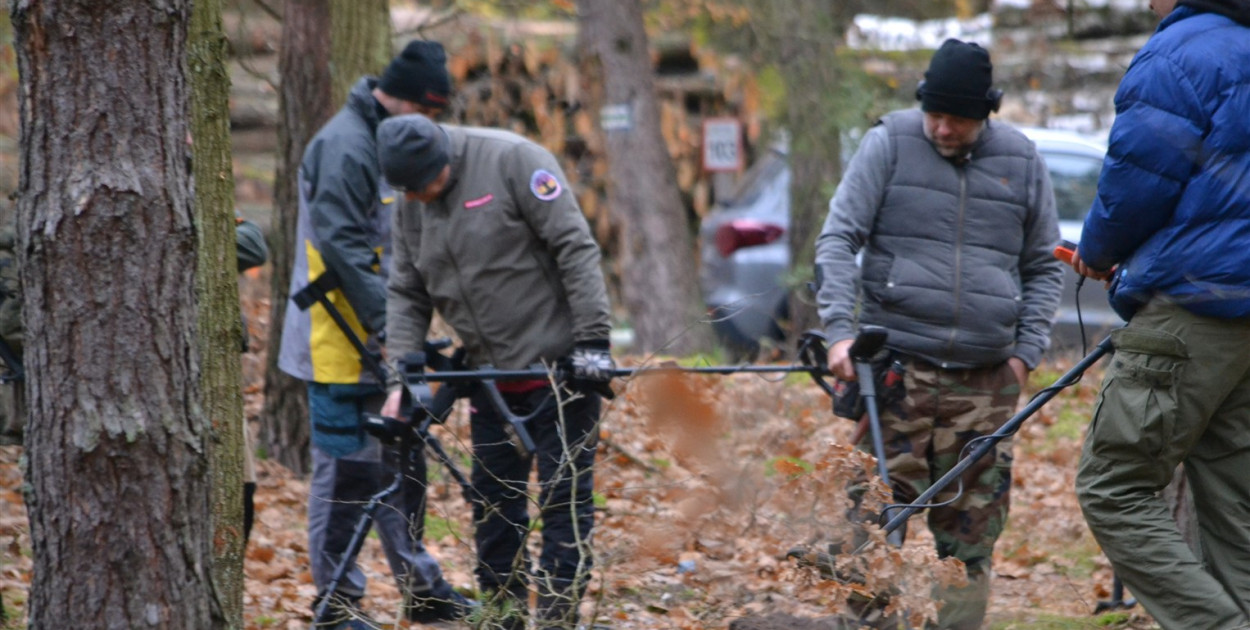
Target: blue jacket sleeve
(1154,144)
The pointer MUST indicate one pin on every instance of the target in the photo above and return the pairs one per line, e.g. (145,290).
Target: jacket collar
(361,102)
(1236,10)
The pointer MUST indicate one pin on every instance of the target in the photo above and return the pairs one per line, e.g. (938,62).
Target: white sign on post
(722,144)
(615,118)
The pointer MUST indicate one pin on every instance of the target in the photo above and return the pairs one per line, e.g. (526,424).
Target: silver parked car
(745,246)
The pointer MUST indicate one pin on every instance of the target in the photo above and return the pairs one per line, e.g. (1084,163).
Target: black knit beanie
(958,81)
(412,151)
(419,75)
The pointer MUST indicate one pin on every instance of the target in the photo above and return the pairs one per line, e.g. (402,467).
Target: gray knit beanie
(412,151)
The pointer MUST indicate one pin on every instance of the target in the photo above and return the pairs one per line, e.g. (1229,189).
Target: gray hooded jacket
(344,226)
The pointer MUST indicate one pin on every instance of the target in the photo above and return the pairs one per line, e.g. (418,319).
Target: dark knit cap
(959,81)
(419,75)
(412,151)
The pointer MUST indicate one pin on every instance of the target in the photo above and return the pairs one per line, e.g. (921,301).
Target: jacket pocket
(993,294)
(1135,416)
(915,292)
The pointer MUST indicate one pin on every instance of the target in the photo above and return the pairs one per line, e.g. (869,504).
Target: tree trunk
(304,104)
(218,297)
(117,468)
(659,280)
(803,37)
(360,43)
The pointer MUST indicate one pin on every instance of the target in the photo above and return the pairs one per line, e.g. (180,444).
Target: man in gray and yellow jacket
(499,247)
(344,229)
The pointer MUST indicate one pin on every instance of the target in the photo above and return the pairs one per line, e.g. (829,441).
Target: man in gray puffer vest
(955,218)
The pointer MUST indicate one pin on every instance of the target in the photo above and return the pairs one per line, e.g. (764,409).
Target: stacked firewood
(523,76)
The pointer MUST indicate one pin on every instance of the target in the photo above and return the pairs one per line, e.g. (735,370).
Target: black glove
(590,367)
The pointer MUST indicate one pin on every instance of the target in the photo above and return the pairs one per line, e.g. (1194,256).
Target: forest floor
(702,485)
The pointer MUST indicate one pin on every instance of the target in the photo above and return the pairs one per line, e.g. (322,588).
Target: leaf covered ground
(703,484)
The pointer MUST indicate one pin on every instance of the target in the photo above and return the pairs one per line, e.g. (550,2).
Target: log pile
(523,76)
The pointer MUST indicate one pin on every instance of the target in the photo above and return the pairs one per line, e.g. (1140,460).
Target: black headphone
(993,97)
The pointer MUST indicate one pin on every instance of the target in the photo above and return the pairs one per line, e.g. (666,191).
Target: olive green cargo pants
(1177,390)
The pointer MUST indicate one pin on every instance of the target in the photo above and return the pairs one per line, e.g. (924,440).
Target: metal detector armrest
(516,424)
(416,384)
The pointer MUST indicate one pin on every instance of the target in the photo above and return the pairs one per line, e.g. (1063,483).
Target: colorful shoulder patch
(544,185)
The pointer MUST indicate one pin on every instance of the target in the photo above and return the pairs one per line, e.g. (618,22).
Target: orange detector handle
(1065,250)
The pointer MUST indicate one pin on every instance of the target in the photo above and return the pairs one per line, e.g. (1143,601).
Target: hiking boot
(344,613)
(451,607)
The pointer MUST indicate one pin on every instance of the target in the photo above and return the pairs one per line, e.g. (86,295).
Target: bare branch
(273,13)
(257,74)
(434,21)
(241,56)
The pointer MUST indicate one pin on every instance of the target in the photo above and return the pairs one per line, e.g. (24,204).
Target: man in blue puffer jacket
(1172,218)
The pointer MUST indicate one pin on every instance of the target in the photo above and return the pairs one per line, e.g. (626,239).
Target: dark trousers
(342,484)
(565,440)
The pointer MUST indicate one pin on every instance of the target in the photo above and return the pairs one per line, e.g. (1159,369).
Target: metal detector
(316,293)
(810,353)
(406,435)
(869,342)
(986,443)
(388,430)
(1117,600)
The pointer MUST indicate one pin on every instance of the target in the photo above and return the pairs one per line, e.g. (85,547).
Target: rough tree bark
(360,43)
(117,468)
(218,296)
(659,280)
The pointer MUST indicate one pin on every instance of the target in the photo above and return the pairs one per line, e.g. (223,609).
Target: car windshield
(1075,180)
(757,179)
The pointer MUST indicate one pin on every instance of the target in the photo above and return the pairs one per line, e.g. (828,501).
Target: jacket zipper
(959,248)
(464,298)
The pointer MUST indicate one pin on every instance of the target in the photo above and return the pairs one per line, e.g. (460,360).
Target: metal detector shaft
(868,390)
(992,440)
(357,542)
(869,342)
(460,376)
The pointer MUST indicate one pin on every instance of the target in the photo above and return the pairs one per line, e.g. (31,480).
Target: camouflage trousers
(925,433)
